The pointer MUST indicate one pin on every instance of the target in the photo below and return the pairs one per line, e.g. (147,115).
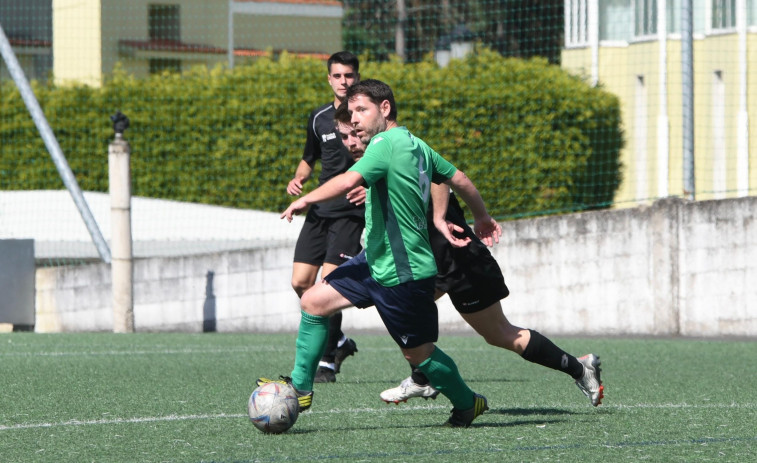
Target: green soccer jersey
(398,169)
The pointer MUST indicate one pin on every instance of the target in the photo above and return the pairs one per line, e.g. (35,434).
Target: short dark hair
(342,114)
(376,91)
(345,58)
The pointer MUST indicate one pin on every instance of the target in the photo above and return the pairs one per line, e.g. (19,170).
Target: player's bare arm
(337,186)
(301,175)
(440,201)
(485,227)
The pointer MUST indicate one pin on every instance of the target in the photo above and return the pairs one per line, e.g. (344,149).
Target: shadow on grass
(476,424)
(517,423)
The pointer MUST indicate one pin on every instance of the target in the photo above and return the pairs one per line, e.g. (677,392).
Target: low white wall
(673,268)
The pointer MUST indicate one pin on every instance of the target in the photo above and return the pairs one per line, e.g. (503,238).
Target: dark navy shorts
(325,239)
(408,310)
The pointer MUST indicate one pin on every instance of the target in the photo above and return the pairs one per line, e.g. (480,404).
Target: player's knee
(306,305)
(300,286)
(312,304)
(418,355)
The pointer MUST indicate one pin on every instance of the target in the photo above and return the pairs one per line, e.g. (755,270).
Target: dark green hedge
(534,139)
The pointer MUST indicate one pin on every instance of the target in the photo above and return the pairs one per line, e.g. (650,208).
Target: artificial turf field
(182,397)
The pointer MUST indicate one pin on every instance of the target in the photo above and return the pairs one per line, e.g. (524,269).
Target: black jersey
(324,143)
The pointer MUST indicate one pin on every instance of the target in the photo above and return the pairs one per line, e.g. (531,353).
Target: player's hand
(295,208)
(294,187)
(488,230)
(447,229)
(357,195)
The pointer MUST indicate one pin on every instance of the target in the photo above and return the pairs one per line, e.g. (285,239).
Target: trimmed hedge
(534,139)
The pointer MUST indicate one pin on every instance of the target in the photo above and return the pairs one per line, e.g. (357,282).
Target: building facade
(633,48)
(81,41)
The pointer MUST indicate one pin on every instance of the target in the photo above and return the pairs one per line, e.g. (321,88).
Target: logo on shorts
(404,339)
(471,302)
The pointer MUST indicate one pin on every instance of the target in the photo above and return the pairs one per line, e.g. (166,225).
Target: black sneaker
(325,375)
(464,418)
(348,348)
(305,398)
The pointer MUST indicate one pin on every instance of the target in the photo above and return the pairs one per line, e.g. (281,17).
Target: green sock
(311,344)
(442,372)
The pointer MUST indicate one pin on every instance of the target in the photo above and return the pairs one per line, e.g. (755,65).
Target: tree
(412,28)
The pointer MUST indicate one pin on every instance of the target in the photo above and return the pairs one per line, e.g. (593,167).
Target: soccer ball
(273,407)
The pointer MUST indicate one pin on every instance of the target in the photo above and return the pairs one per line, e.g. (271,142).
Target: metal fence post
(122,271)
(687,83)
(64,170)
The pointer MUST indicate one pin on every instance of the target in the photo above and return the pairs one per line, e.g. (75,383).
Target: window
(614,23)
(164,23)
(674,15)
(576,23)
(723,14)
(645,18)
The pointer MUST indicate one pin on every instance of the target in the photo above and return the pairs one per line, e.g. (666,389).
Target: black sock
(544,352)
(418,376)
(335,334)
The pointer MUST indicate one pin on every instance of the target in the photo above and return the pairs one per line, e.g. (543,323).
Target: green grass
(182,397)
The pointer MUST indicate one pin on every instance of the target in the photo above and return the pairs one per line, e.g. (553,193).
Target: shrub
(534,139)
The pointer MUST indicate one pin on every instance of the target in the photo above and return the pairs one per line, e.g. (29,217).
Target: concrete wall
(673,268)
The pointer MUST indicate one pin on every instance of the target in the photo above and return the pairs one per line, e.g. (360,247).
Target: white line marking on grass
(185,351)
(149,352)
(683,405)
(341,411)
(119,421)
(154,419)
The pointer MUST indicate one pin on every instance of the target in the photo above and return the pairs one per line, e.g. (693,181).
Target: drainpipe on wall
(742,150)
(230,44)
(594,40)
(663,125)
(687,98)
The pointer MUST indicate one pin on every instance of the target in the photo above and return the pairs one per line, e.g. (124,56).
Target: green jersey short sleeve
(398,169)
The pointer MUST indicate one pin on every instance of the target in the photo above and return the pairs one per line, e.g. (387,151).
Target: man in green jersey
(397,271)
(470,275)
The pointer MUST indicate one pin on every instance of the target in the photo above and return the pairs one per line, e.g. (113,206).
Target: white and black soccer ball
(273,407)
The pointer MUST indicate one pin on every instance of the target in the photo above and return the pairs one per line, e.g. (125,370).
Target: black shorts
(470,276)
(408,309)
(325,239)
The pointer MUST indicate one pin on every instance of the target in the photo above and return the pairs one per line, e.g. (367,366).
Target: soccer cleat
(407,390)
(464,418)
(305,398)
(325,375)
(348,348)
(590,383)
